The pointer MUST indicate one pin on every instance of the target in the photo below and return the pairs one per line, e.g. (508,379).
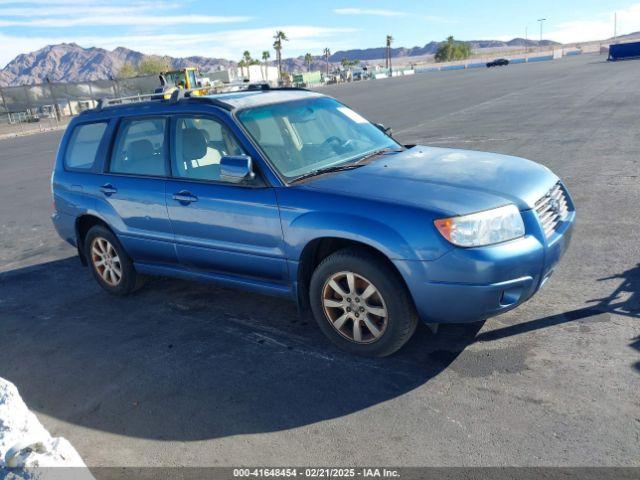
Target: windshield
(175,78)
(306,135)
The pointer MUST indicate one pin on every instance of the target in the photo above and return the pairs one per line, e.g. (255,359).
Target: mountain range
(432,47)
(70,62)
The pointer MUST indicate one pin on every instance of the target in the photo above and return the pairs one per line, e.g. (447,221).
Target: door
(132,190)
(220,228)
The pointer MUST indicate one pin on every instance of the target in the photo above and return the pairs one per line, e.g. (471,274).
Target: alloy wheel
(354,307)
(106,261)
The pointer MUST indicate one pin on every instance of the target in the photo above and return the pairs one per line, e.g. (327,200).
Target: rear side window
(139,149)
(83,145)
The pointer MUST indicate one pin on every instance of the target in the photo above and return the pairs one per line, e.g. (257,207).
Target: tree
(265,58)
(389,42)
(127,71)
(327,54)
(451,50)
(308,58)
(153,65)
(347,64)
(279,37)
(286,78)
(247,60)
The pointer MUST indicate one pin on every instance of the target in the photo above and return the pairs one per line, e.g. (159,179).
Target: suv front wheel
(111,266)
(361,304)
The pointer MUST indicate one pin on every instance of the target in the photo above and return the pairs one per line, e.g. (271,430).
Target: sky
(225,29)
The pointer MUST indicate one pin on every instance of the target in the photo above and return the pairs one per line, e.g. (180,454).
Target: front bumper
(471,284)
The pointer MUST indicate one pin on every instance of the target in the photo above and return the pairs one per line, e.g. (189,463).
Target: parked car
(291,193)
(499,62)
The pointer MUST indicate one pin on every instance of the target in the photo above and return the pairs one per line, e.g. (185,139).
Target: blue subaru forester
(289,192)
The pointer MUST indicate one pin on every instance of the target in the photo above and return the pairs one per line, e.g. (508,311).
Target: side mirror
(383,129)
(236,169)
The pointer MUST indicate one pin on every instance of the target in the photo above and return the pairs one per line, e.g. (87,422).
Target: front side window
(306,135)
(139,149)
(198,146)
(83,145)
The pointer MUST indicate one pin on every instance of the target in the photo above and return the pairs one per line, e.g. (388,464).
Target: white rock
(24,442)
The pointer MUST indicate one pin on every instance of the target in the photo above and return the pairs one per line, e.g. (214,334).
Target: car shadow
(613,303)
(624,300)
(187,361)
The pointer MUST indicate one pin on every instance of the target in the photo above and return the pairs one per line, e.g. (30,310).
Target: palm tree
(279,37)
(246,60)
(327,54)
(452,49)
(308,58)
(265,58)
(389,42)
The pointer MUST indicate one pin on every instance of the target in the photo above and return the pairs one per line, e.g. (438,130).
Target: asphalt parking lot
(190,374)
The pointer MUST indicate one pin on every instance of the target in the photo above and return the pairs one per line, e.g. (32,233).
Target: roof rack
(105,102)
(179,94)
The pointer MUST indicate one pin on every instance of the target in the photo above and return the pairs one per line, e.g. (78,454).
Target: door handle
(185,197)
(108,189)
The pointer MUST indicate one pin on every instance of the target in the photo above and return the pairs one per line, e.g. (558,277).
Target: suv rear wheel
(111,266)
(361,304)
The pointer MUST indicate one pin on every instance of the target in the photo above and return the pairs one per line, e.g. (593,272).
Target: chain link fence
(47,105)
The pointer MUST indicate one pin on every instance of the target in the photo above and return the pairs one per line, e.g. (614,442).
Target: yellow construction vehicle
(186,79)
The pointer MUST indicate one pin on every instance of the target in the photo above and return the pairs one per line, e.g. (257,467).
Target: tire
(100,243)
(389,309)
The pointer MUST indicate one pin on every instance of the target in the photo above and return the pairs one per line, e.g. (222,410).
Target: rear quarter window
(83,145)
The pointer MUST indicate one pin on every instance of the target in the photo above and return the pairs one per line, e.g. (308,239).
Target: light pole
(541,20)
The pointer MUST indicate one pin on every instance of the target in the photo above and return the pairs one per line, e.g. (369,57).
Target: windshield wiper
(349,166)
(321,171)
(382,151)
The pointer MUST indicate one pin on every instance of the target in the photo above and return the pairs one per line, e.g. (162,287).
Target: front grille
(552,209)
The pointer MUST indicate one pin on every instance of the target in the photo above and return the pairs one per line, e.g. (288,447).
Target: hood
(449,181)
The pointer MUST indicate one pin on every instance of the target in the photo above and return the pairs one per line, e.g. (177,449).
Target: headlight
(482,228)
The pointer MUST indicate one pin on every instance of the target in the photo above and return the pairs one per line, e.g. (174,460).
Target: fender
(314,225)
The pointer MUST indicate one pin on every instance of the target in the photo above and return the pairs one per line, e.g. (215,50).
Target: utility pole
(56,107)
(526,40)
(386,57)
(389,41)
(541,20)
(615,26)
